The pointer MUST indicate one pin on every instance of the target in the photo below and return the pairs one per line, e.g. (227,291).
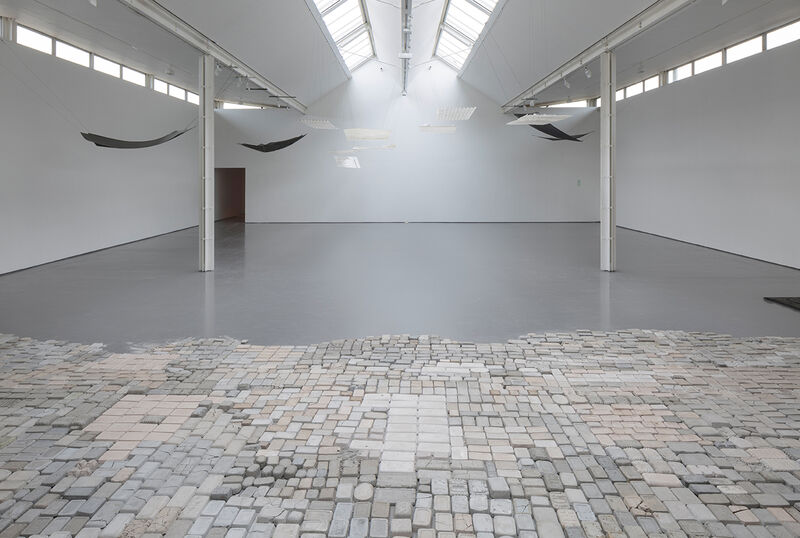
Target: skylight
(348,25)
(462,24)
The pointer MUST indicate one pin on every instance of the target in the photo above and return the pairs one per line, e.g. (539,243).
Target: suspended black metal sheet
(106,142)
(273,146)
(554,133)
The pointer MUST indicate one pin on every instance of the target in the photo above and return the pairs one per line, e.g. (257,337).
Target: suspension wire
(63,105)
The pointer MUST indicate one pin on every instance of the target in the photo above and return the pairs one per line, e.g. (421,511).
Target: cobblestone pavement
(629,433)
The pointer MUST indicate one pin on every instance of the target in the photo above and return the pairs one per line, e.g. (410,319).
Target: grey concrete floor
(308,283)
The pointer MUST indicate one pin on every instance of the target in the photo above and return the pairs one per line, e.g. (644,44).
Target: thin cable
(45,86)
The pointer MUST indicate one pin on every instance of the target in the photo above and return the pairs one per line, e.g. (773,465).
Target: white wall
(485,172)
(61,196)
(714,159)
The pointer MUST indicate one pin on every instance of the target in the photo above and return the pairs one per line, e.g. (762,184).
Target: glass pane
(193,98)
(344,19)
(711,61)
(651,83)
(488,4)
(743,50)
(160,86)
(573,104)
(784,35)
(237,106)
(357,51)
(452,50)
(466,18)
(621,94)
(106,66)
(131,75)
(322,5)
(28,38)
(684,71)
(72,54)
(634,89)
(177,91)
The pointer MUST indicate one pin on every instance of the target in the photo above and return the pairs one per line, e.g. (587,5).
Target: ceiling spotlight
(587,72)
(566,84)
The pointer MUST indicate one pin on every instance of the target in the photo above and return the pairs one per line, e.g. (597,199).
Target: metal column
(405,40)
(608,140)
(206,128)
(7,28)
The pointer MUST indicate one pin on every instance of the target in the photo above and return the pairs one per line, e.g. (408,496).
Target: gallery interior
(399,268)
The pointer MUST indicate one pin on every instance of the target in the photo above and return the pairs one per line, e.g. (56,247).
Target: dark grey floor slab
(304,283)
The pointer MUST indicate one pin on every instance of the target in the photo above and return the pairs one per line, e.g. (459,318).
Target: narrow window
(160,86)
(784,35)
(743,50)
(712,61)
(72,54)
(106,66)
(177,92)
(134,76)
(32,39)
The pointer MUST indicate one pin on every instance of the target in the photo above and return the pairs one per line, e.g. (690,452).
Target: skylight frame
(449,26)
(354,32)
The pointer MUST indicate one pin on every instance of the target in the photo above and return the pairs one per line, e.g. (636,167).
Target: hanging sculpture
(273,146)
(554,133)
(106,142)
(557,134)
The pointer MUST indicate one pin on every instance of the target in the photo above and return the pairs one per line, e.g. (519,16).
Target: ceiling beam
(405,40)
(644,20)
(163,17)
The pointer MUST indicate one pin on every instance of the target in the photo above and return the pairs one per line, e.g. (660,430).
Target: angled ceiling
(279,38)
(701,28)
(530,38)
(112,30)
(385,18)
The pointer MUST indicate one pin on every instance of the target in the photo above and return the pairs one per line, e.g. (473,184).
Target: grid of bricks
(627,433)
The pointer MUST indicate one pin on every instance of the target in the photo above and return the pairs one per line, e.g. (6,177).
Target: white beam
(608,139)
(405,40)
(644,20)
(206,128)
(177,26)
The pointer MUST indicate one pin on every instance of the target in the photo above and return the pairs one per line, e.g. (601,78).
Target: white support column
(608,140)
(206,128)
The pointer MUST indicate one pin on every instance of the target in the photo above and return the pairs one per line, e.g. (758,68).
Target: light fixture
(567,85)
(587,72)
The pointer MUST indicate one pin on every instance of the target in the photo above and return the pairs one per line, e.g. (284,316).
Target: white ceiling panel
(530,38)
(700,29)
(280,39)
